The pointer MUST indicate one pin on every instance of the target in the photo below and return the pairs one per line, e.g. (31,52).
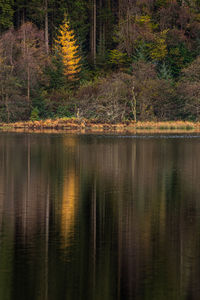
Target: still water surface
(99,217)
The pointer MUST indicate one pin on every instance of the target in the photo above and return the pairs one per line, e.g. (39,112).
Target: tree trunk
(119,10)
(46,27)
(28,84)
(100,29)
(7,109)
(93,31)
(134,105)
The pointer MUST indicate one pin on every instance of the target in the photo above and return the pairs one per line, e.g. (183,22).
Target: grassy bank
(73,124)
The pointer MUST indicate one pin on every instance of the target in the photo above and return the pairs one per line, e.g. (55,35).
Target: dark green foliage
(60,103)
(64,111)
(117,58)
(39,104)
(6,14)
(178,58)
(55,72)
(164,71)
(79,16)
(35,114)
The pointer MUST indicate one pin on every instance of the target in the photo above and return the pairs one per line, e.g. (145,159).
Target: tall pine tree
(67,48)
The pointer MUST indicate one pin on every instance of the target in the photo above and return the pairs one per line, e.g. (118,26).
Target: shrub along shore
(84,125)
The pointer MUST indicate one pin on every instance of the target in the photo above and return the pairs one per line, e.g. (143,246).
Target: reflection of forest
(126,209)
(150,189)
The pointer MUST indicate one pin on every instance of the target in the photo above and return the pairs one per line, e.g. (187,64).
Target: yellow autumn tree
(67,47)
(158,50)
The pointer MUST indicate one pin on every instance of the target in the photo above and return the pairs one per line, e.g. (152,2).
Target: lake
(97,217)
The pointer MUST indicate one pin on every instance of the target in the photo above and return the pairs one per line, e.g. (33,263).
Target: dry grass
(93,126)
(172,125)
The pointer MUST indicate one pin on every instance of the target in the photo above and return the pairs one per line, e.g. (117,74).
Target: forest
(105,60)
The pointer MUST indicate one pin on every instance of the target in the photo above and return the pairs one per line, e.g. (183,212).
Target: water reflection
(88,217)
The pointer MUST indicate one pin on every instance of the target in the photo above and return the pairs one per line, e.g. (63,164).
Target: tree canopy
(106,37)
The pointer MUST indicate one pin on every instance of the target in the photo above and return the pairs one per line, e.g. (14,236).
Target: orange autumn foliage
(67,47)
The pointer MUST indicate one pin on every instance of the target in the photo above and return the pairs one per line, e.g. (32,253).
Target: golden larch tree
(67,47)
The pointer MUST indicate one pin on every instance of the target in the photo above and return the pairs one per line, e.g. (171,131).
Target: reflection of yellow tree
(68,207)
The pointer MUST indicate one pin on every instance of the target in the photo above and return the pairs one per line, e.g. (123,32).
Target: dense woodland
(109,60)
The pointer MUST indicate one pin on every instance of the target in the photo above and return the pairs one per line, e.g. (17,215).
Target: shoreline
(76,125)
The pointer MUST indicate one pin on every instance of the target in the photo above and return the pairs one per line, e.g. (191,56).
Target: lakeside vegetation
(105,60)
(84,125)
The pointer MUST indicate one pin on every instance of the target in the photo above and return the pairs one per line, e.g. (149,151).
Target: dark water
(93,217)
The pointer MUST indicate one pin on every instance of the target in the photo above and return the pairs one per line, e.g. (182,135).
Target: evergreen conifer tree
(67,48)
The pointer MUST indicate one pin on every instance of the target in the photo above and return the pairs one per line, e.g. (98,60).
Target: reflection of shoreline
(97,131)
